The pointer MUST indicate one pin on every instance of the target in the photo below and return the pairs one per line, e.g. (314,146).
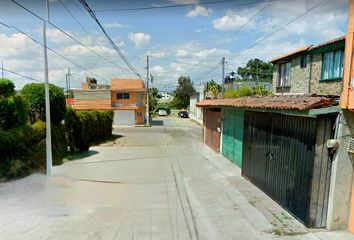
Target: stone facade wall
(299,77)
(322,88)
(275,77)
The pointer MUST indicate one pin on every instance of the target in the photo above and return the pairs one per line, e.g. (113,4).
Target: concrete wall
(135,98)
(341,176)
(195,113)
(321,88)
(92,94)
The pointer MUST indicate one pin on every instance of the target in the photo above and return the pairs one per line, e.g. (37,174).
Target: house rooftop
(329,42)
(282,102)
(91,104)
(300,50)
(122,84)
(307,48)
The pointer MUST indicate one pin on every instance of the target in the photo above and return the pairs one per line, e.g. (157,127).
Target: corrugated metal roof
(127,85)
(288,102)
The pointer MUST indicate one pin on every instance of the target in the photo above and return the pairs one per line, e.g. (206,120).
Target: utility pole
(257,74)
(49,159)
(147,95)
(223,77)
(68,78)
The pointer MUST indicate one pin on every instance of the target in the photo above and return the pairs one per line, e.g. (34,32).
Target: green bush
(13,112)
(244,91)
(13,109)
(34,94)
(23,149)
(7,88)
(86,127)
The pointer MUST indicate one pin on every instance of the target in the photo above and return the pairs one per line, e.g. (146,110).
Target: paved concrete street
(153,183)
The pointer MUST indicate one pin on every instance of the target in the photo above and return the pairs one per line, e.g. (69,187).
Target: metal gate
(278,157)
(212,128)
(232,137)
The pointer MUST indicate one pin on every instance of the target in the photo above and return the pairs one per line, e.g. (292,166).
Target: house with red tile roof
(311,70)
(128,101)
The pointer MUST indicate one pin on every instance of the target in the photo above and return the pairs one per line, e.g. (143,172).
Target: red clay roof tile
(286,102)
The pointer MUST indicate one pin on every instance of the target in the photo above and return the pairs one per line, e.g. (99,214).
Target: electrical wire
(83,28)
(176,6)
(21,75)
(55,52)
(85,46)
(115,47)
(282,27)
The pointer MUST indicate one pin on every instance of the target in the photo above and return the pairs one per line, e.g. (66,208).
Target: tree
(7,88)
(214,88)
(256,70)
(181,95)
(34,94)
(13,109)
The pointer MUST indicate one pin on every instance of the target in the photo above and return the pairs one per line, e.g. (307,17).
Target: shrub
(13,112)
(7,88)
(85,127)
(34,94)
(241,92)
(244,91)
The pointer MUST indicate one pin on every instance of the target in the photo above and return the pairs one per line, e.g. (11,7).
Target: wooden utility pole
(347,98)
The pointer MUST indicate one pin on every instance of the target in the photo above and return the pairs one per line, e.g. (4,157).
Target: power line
(283,26)
(244,25)
(208,72)
(83,28)
(115,47)
(69,60)
(27,10)
(21,75)
(176,6)
(85,46)
(68,35)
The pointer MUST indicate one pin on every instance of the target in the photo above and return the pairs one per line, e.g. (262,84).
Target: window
(332,65)
(284,74)
(139,114)
(303,62)
(122,95)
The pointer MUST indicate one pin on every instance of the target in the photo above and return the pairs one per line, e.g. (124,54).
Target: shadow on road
(81,155)
(157,123)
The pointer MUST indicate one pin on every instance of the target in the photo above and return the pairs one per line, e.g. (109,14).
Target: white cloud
(200,30)
(156,54)
(199,11)
(182,53)
(230,21)
(140,40)
(115,25)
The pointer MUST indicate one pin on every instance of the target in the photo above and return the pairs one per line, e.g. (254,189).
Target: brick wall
(318,87)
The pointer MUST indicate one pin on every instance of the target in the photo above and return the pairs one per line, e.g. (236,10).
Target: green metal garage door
(233,135)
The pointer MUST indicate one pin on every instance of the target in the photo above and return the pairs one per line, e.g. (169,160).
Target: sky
(188,40)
